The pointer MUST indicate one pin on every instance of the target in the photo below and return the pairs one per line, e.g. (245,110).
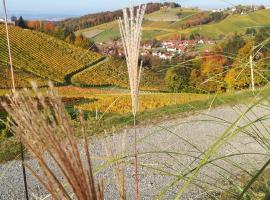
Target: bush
(177,79)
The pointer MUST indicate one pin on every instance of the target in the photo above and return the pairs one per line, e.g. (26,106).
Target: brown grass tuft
(45,129)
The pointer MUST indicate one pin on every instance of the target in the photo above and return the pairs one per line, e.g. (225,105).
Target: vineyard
(22,79)
(114,72)
(121,104)
(78,92)
(44,55)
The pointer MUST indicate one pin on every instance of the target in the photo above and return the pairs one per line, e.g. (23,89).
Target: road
(167,150)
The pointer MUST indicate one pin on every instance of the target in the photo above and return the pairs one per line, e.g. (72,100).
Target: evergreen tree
(21,23)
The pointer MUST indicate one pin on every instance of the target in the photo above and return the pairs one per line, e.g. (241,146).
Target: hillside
(166,23)
(95,19)
(44,55)
(114,72)
(39,57)
(155,24)
(22,78)
(233,23)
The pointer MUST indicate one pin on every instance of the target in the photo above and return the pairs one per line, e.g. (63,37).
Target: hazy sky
(78,7)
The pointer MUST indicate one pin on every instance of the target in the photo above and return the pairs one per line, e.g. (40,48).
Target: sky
(81,7)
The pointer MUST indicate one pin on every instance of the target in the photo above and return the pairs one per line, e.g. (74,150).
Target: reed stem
(13,91)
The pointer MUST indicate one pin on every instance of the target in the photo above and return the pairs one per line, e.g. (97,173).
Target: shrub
(176,79)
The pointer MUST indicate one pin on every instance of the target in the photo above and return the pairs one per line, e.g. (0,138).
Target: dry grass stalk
(13,90)
(9,48)
(46,130)
(130,28)
(115,150)
(131,31)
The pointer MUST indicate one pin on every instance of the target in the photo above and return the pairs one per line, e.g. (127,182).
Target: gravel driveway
(169,136)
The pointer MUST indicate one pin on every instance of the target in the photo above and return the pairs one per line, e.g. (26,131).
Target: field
(114,73)
(171,14)
(121,104)
(44,55)
(233,23)
(155,24)
(22,78)
(166,23)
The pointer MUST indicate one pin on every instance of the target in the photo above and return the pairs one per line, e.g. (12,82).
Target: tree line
(91,20)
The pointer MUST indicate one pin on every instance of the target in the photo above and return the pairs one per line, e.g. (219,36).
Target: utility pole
(13,90)
(252,73)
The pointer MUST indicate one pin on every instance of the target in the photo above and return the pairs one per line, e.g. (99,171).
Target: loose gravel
(169,136)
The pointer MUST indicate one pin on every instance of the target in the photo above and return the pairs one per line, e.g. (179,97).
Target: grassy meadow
(234,23)
(166,23)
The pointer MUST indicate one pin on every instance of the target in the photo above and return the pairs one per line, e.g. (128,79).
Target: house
(8,21)
(156,53)
(200,42)
(166,56)
(145,53)
(181,49)
(171,49)
(167,43)
(243,13)
(147,46)
(188,42)
(217,10)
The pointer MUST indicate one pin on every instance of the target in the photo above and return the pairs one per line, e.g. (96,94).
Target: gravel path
(200,129)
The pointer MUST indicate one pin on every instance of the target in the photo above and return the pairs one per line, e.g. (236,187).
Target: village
(164,50)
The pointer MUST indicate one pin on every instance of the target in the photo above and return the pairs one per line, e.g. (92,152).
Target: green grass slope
(171,14)
(44,55)
(233,23)
(155,24)
(166,23)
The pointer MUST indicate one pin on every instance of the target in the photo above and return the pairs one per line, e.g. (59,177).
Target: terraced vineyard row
(22,79)
(121,104)
(44,55)
(114,72)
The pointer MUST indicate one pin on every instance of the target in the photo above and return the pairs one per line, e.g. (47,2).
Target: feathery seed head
(130,29)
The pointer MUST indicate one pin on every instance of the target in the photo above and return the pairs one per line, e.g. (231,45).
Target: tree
(217,16)
(21,23)
(239,76)
(233,45)
(251,31)
(71,38)
(261,7)
(176,79)
(262,39)
(13,18)
(83,42)
(212,72)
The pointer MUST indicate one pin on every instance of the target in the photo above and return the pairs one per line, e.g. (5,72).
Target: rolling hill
(114,72)
(158,23)
(22,78)
(166,23)
(40,57)
(233,23)
(43,55)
